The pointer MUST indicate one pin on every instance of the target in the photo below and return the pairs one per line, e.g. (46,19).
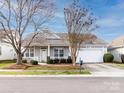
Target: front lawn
(53,67)
(56,69)
(117,64)
(120,65)
(6,63)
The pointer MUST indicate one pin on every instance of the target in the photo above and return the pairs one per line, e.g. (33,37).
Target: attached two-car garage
(91,55)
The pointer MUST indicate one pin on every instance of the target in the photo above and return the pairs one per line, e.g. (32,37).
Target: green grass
(53,68)
(119,65)
(35,70)
(44,73)
(6,63)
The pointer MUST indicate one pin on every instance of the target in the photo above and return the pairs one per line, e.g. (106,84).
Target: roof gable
(118,42)
(49,34)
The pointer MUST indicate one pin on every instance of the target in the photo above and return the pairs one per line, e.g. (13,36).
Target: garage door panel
(90,55)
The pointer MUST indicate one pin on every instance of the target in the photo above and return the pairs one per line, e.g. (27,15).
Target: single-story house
(55,45)
(117,48)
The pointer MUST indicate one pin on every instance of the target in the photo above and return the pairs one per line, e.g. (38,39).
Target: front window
(29,52)
(61,52)
(32,52)
(58,52)
(55,52)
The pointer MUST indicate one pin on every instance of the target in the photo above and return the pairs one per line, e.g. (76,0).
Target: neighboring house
(55,45)
(6,50)
(117,48)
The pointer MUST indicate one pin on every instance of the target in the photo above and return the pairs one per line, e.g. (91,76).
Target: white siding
(7,52)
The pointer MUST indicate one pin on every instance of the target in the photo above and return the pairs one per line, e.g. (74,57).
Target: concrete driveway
(104,70)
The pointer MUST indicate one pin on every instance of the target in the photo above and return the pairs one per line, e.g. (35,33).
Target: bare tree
(18,17)
(80,23)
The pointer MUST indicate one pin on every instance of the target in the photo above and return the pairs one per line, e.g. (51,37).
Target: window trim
(58,52)
(28,51)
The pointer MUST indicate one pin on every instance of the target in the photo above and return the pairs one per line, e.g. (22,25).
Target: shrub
(122,58)
(50,61)
(34,62)
(69,60)
(56,60)
(24,61)
(108,57)
(63,60)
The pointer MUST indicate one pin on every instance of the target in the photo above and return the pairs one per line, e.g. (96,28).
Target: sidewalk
(19,70)
(60,76)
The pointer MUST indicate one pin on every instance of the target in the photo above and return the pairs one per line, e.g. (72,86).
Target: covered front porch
(40,53)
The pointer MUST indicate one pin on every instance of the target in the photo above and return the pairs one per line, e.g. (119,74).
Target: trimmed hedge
(108,57)
(24,61)
(63,60)
(59,61)
(49,61)
(34,62)
(69,60)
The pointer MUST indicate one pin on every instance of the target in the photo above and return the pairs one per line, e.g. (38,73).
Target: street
(62,85)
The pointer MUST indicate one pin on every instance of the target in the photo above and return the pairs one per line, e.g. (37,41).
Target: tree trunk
(73,59)
(19,59)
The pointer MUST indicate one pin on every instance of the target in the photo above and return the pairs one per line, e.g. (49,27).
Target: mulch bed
(20,66)
(25,66)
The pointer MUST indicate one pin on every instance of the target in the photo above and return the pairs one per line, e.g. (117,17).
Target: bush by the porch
(69,60)
(24,61)
(59,61)
(34,62)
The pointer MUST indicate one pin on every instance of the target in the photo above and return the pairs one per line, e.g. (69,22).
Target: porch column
(48,51)
(34,52)
(69,50)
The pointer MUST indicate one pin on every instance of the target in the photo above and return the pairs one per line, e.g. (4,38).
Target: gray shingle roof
(45,38)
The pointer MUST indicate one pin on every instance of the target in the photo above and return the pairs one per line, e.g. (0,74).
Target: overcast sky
(109,14)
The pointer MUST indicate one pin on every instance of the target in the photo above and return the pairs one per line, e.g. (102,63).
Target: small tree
(18,17)
(80,24)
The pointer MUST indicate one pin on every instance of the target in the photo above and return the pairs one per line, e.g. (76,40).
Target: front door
(43,55)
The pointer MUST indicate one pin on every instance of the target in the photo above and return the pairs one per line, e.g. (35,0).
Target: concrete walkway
(104,70)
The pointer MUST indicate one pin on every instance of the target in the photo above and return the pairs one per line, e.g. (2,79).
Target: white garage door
(90,55)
